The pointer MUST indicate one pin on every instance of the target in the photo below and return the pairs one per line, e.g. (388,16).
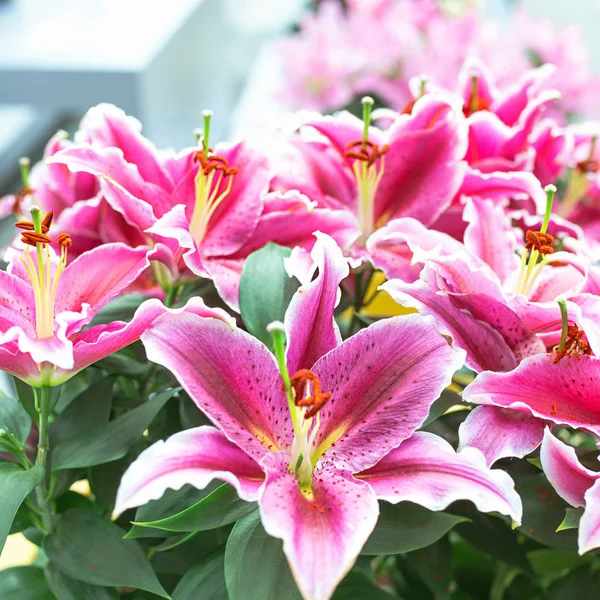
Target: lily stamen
(368,166)
(207,184)
(537,243)
(300,382)
(35,233)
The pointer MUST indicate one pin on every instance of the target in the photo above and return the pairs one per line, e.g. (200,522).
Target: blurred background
(254,61)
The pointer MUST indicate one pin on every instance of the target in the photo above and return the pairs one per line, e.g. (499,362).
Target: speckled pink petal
(323,529)
(426,470)
(310,328)
(500,432)
(383,380)
(192,457)
(230,375)
(485,347)
(565,392)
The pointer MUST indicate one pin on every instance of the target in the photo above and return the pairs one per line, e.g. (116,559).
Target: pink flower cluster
(453,199)
(377,46)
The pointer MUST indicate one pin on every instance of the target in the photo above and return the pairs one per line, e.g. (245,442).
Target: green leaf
(171,503)
(357,586)
(572,518)
(405,527)
(15,485)
(205,580)
(582,583)
(90,549)
(14,418)
(255,566)
(119,309)
(87,411)
(24,583)
(433,564)
(110,441)
(65,588)
(543,512)
(494,537)
(265,290)
(124,365)
(548,561)
(221,507)
(447,400)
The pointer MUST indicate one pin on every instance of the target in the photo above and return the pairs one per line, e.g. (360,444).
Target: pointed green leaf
(221,507)
(265,290)
(255,566)
(91,549)
(14,418)
(110,441)
(205,580)
(572,518)
(405,527)
(15,485)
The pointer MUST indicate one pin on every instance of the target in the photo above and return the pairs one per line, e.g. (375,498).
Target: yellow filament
(368,178)
(44,287)
(207,201)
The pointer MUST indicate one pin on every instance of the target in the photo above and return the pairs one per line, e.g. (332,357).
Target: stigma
(213,183)
(368,164)
(43,276)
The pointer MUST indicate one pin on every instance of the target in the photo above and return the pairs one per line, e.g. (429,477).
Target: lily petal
(589,526)
(98,276)
(500,433)
(229,374)
(426,470)
(383,380)
(192,457)
(565,392)
(323,528)
(310,328)
(568,476)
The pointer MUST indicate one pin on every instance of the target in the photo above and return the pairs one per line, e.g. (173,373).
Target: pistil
(213,171)
(573,341)
(537,243)
(305,400)
(368,164)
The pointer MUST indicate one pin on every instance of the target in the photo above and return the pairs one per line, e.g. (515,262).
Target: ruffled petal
(566,392)
(426,470)
(192,457)
(500,433)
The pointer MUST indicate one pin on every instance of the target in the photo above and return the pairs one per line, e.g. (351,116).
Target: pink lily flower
(576,484)
(47,301)
(317,456)
(203,211)
(412,169)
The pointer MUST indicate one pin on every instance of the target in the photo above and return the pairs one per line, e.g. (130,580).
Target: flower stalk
(42,456)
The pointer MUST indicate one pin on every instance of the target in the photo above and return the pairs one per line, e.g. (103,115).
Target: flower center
(368,164)
(305,400)
(214,174)
(476,102)
(578,183)
(44,282)
(573,341)
(538,244)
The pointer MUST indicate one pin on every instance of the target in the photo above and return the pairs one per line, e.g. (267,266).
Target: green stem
(505,575)
(172,295)
(42,455)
